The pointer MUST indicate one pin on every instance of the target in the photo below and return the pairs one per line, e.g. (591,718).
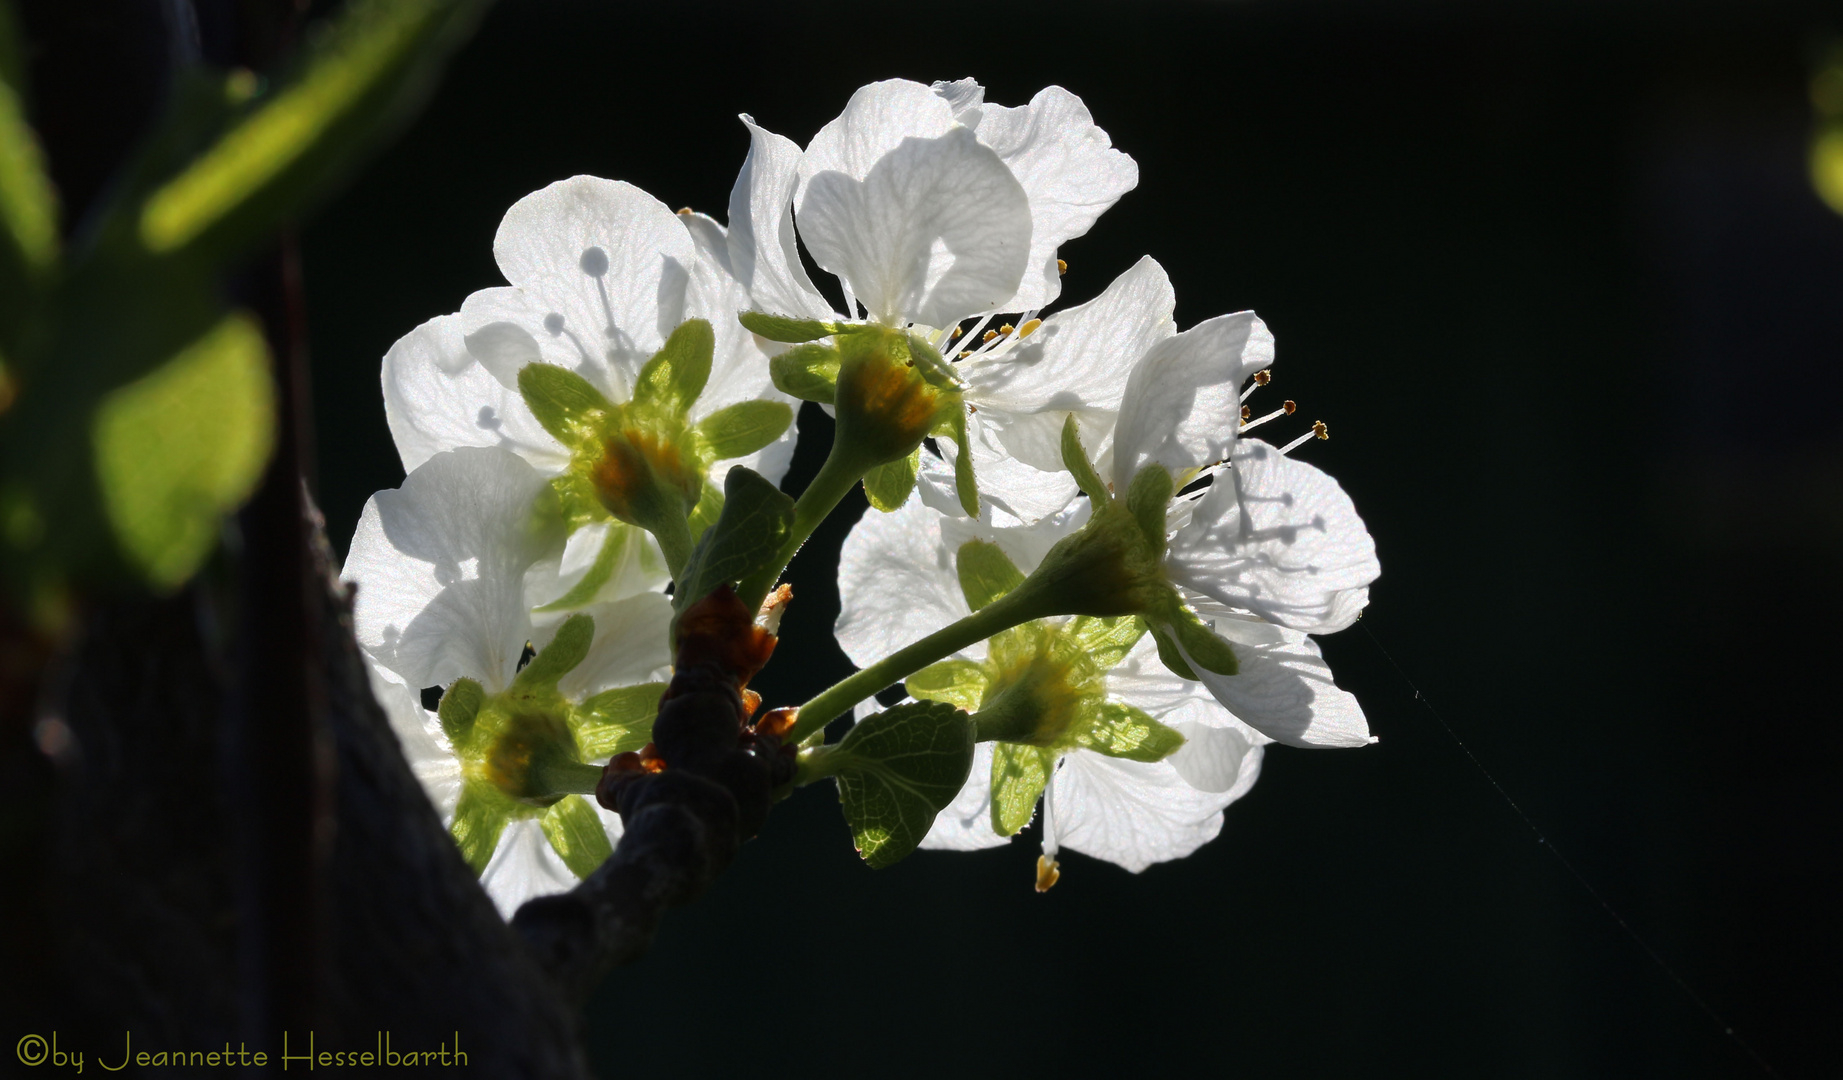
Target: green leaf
(575,831)
(28,203)
(356,84)
(960,683)
(1018,776)
(560,657)
(614,548)
(1169,656)
(479,817)
(887,486)
(757,518)
(745,427)
(808,372)
(1147,499)
(785,327)
(1106,641)
(1075,459)
(986,572)
(182,446)
(1122,731)
(459,706)
(897,770)
(615,721)
(676,374)
(564,402)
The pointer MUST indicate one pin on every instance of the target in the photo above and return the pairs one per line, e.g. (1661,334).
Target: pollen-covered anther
(963,354)
(1319,431)
(1261,378)
(1246,412)
(956,333)
(685,211)
(1006,328)
(1049,871)
(1062,267)
(1285,409)
(989,336)
(1029,328)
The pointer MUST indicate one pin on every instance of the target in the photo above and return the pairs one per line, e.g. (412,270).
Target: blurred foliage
(1827,141)
(136,405)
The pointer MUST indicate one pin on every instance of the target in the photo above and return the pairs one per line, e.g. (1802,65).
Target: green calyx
(643,462)
(526,751)
(1041,690)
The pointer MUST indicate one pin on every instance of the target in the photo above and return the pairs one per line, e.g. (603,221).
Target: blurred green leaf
(178,449)
(896,770)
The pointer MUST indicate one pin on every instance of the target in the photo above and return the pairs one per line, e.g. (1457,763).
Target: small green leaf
(960,683)
(785,327)
(1106,641)
(1018,776)
(479,818)
(613,550)
(986,572)
(887,486)
(459,706)
(965,485)
(564,402)
(808,372)
(560,657)
(575,832)
(757,518)
(1147,500)
(1169,656)
(617,720)
(676,374)
(182,446)
(896,770)
(1201,643)
(1075,459)
(745,427)
(1122,731)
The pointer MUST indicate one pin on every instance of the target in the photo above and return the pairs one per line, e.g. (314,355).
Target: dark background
(1557,280)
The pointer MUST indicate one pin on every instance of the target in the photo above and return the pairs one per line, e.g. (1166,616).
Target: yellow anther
(956,332)
(1048,872)
(1029,328)
(684,211)
(1006,328)
(1246,412)
(1319,429)
(1061,267)
(989,335)
(964,353)
(1289,406)
(1262,378)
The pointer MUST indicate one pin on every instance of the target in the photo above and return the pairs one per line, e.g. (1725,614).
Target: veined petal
(876,121)
(964,97)
(526,866)
(440,565)
(629,647)
(966,823)
(1219,759)
(1010,492)
(897,582)
(605,261)
(1069,170)
(1131,813)
(1277,537)
(419,733)
(763,253)
(638,567)
(935,230)
(438,397)
(506,328)
(1024,541)
(1182,404)
(1287,693)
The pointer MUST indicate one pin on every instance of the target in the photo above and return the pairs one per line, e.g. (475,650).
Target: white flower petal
(425,746)
(1131,813)
(964,97)
(606,259)
(629,647)
(500,325)
(936,230)
(524,866)
(1183,400)
(1010,492)
(876,120)
(1068,169)
(440,565)
(1218,759)
(897,582)
(1279,538)
(966,823)
(437,397)
(763,253)
(1286,692)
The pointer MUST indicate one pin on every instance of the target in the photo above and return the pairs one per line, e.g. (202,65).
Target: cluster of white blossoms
(1141,576)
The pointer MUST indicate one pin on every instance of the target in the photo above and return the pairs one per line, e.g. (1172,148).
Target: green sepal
(1075,459)
(615,721)
(756,519)
(479,818)
(575,832)
(986,572)
(1147,499)
(1202,644)
(1018,776)
(459,706)
(896,770)
(1106,641)
(785,327)
(965,486)
(677,373)
(1169,656)
(706,512)
(960,683)
(557,659)
(1120,730)
(567,405)
(743,428)
(808,372)
(614,547)
(888,485)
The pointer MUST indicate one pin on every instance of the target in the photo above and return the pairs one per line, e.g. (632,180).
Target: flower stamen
(1286,409)
(1261,378)
(1319,431)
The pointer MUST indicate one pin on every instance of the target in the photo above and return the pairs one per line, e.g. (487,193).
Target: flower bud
(893,391)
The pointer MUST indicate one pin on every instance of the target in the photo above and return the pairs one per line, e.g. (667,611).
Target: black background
(1556,278)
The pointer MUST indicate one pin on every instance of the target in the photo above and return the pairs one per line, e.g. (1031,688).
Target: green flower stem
(673,532)
(1030,601)
(564,778)
(840,473)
